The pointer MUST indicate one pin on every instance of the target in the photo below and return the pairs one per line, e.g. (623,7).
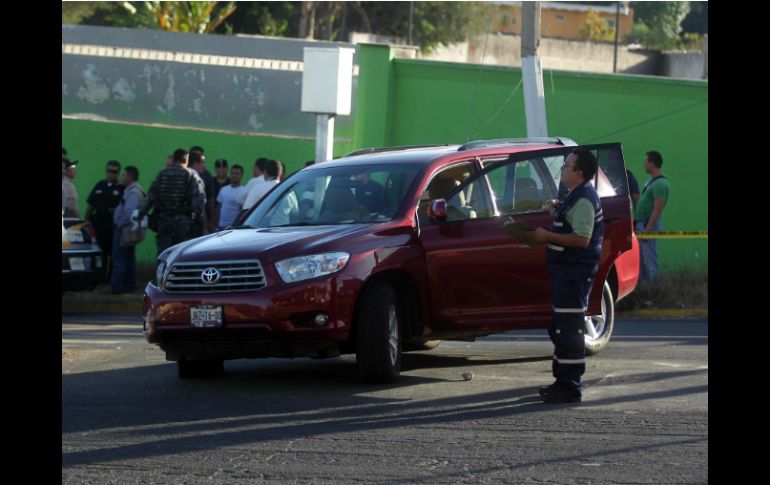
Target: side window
(523,186)
(468,203)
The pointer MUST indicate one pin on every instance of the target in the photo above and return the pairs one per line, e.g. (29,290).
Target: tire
(599,327)
(195,369)
(378,334)
(417,346)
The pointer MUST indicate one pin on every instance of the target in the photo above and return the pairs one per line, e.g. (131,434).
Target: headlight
(160,273)
(306,267)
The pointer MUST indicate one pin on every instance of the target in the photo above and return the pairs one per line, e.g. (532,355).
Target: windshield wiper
(243,226)
(296,224)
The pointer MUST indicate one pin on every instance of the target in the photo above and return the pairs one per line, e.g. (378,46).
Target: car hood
(259,243)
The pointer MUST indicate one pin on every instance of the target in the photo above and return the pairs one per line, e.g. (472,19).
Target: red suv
(382,251)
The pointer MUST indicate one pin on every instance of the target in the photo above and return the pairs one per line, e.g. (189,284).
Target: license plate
(77,264)
(206,316)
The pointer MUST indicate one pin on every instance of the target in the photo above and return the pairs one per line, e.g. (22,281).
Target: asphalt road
(127,418)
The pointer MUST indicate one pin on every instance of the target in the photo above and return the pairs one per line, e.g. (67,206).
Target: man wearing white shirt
(258,178)
(272,172)
(229,208)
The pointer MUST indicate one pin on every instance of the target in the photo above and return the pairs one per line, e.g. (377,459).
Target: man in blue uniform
(102,201)
(574,246)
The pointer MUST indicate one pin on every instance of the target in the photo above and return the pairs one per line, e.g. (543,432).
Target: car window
(337,195)
(522,186)
(442,184)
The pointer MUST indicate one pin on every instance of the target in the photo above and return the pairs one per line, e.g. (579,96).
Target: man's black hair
(195,157)
(272,169)
(261,163)
(179,155)
(586,162)
(198,149)
(133,172)
(655,158)
(236,166)
(114,163)
(63,151)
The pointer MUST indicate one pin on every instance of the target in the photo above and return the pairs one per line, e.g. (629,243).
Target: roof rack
(501,142)
(365,151)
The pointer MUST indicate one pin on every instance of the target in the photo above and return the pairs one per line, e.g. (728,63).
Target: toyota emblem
(210,276)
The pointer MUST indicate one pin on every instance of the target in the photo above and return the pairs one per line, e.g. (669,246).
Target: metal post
(532,72)
(617,34)
(324,137)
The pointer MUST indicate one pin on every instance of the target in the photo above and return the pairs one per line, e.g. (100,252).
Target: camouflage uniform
(179,199)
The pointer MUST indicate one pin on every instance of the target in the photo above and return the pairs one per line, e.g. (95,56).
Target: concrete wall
(568,55)
(232,83)
(685,65)
(422,102)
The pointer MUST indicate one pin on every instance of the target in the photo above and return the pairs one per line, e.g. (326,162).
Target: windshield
(337,195)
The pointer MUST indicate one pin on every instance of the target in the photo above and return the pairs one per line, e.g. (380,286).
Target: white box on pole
(327,80)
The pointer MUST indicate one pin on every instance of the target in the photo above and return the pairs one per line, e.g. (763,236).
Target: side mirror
(437,211)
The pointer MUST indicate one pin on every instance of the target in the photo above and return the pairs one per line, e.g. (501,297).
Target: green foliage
(198,17)
(657,24)
(434,23)
(278,19)
(597,28)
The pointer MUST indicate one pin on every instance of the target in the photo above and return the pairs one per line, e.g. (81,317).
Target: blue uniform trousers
(567,331)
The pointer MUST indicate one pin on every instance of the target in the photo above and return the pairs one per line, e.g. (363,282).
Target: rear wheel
(195,369)
(599,327)
(378,334)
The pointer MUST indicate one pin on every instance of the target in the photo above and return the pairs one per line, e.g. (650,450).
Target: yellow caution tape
(673,235)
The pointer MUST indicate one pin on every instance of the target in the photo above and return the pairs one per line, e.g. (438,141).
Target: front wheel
(378,334)
(599,327)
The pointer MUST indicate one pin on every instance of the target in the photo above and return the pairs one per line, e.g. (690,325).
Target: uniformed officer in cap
(104,198)
(178,198)
(573,250)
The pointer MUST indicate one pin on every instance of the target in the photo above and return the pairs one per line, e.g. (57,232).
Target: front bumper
(275,321)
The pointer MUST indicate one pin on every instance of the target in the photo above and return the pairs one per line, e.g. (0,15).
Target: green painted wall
(437,102)
(146,147)
(403,102)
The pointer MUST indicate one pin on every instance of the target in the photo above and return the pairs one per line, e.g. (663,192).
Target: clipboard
(519,230)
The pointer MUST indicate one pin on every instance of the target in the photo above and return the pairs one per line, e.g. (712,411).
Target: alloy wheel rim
(393,335)
(596,324)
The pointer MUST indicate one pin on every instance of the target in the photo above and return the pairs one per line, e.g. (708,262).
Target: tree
(434,23)
(658,24)
(597,28)
(697,21)
(198,17)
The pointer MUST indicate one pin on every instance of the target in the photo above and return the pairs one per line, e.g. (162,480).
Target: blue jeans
(648,253)
(123,266)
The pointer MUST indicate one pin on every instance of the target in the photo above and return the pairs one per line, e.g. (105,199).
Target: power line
(501,107)
(478,81)
(648,121)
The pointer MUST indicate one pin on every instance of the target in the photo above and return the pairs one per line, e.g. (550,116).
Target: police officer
(104,198)
(574,246)
(178,198)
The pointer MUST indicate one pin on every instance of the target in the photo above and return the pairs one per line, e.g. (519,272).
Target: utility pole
(532,72)
(617,34)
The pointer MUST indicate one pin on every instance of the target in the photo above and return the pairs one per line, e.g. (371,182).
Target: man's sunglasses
(112,171)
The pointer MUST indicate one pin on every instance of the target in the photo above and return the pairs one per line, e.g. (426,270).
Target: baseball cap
(68,163)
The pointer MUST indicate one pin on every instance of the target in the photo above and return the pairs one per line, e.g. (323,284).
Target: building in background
(562,20)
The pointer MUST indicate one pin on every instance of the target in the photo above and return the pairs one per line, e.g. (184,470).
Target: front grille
(234,276)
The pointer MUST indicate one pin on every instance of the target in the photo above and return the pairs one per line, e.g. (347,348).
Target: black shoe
(558,394)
